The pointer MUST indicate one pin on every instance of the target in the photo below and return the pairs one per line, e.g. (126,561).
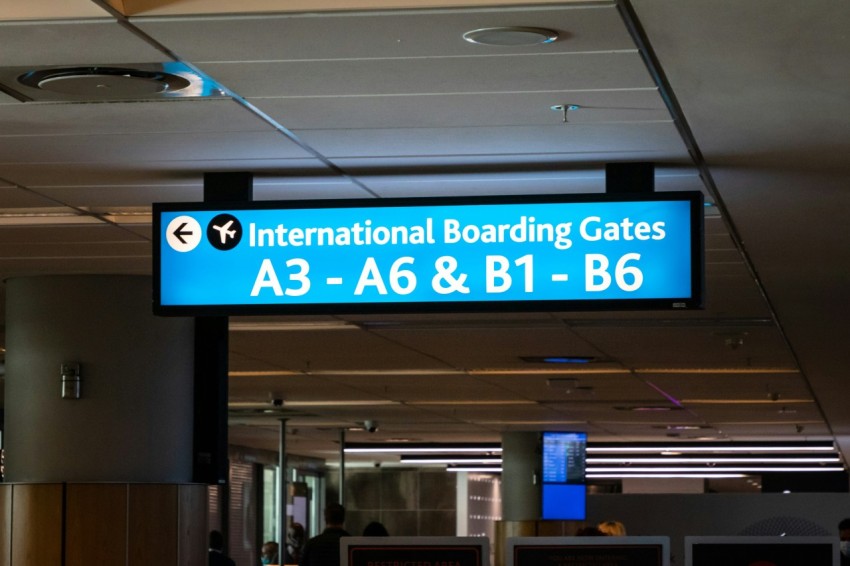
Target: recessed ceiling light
(119,82)
(648,409)
(511,36)
(558,359)
(109,83)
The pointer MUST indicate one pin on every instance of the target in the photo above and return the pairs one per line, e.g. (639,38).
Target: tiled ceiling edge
(118,5)
(207,7)
(51,10)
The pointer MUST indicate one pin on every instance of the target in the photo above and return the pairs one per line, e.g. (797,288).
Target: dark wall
(408,502)
(719,514)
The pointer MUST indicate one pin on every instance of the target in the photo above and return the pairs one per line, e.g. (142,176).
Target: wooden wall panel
(5,525)
(37,524)
(192,525)
(104,524)
(153,525)
(96,525)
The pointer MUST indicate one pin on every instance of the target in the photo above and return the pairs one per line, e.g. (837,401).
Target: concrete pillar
(133,421)
(103,478)
(520,481)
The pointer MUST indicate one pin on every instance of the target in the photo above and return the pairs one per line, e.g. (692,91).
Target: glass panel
(271,497)
(243,509)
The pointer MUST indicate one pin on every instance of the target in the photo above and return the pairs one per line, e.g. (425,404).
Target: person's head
(295,534)
(589,532)
(612,528)
(844,536)
(334,515)
(375,529)
(216,541)
(268,554)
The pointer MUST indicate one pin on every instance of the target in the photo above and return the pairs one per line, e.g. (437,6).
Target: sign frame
(514,544)
(743,541)
(696,247)
(349,545)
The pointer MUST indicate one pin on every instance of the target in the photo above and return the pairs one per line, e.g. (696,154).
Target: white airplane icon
(224,232)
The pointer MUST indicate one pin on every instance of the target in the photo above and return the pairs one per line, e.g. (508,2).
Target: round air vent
(511,35)
(103,82)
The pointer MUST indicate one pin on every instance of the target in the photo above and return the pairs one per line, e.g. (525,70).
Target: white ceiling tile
(499,345)
(509,73)
(132,149)
(51,9)
(573,144)
(73,43)
(165,116)
(382,34)
(692,347)
(306,188)
(485,109)
(14,197)
(353,349)
(183,176)
(436,186)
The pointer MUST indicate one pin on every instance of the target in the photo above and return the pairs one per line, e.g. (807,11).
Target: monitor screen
(562,471)
(587,551)
(761,551)
(422,550)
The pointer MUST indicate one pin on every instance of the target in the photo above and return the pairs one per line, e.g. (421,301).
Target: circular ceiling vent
(103,82)
(511,35)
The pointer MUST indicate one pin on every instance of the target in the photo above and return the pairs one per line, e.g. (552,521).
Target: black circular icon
(224,232)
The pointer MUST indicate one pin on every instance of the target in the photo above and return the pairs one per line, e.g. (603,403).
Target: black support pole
(211,357)
(623,178)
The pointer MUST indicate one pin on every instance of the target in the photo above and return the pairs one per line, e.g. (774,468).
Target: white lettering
(497,268)
(451,231)
(591,236)
(267,278)
(370,276)
(597,277)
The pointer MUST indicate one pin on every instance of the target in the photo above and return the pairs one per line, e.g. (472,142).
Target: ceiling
(744,101)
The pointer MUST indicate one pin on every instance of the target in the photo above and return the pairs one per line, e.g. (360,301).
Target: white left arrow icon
(183,234)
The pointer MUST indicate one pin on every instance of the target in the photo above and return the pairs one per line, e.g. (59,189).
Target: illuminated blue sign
(518,253)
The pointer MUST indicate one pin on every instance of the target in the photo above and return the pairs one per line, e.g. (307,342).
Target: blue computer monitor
(774,551)
(563,492)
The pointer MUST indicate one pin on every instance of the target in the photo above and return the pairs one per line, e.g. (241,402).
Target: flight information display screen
(563,474)
(564,457)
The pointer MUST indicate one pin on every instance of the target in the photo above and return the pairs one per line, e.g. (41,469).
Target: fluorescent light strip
(664,476)
(406,460)
(550,422)
(721,424)
(562,371)
(269,373)
(721,460)
(394,372)
(738,469)
(696,371)
(706,449)
(778,403)
(48,220)
(397,372)
(331,403)
(291,326)
(328,403)
(129,218)
(650,461)
(452,402)
(422,450)
(492,470)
